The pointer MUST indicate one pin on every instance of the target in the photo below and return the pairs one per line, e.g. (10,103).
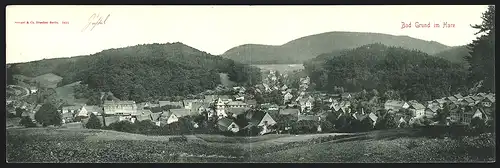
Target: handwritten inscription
(405,25)
(94,20)
(42,22)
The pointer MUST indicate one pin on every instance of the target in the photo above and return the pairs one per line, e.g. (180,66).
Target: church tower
(220,108)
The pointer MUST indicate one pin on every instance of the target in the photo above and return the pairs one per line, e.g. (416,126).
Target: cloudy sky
(216,29)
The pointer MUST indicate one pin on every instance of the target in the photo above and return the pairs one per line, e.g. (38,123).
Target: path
(27,92)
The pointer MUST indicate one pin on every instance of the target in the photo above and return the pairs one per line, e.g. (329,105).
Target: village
(296,103)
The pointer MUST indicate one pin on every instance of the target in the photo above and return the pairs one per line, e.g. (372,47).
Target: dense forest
(415,75)
(142,71)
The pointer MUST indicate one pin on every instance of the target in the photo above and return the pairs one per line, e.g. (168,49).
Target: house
(306,104)
(236,104)
(188,104)
(182,112)
(199,107)
(85,111)
(71,109)
(251,102)
(119,107)
(36,108)
(335,106)
(176,104)
(483,113)
(143,117)
(108,120)
(373,117)
(144,112)
(287,97)
(210,98)
(273,107)
(429,112)
(322,116)
(469,101)
(170,117)
(345,106)
(67,117)
(451,99)
(33,89)
(220,108)
(346,96)
(400,121)
(48,80)
(463,115)
(239,97)
(260,119)
(234,112)
(284,87)
(156,118)
(417,109)
(395,105)
(308,117)
(28,114)
(293,112)
(226,124)
(488,101)
(458,96)
(439,102)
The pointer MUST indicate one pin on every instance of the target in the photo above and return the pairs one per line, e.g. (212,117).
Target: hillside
(308,47)
(143,71)
(410,73)
(455,54)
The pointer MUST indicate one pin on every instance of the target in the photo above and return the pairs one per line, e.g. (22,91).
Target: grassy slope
(66,93)
(396,146)
(81,145)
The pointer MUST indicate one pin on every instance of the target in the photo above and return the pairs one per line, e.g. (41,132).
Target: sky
(216,29)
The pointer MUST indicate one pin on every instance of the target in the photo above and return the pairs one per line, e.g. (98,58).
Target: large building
(120,107)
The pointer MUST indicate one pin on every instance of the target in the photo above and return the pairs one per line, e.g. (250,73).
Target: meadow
(97,146)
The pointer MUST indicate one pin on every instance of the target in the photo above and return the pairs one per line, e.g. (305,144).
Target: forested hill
(455,54)
(309,47)
(410,73)
(142,71)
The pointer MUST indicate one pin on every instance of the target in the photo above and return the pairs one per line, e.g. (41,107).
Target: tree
(93,122)
(482,54)
(27,122)
(386,122)
(48,115)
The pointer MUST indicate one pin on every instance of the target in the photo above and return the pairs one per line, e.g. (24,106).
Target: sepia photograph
(250,84)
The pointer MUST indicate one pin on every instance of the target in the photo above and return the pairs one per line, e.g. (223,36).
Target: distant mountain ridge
(308,47)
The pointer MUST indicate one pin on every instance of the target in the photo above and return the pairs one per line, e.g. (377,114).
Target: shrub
(27,122)
(48,115)
(304,127)
(93,122)
(19,112)
(178,139)
(478,125)
(123,126)
(327,126)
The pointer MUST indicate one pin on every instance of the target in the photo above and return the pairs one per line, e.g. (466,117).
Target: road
(26,91)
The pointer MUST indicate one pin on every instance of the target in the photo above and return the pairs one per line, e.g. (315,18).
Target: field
(66,93)
(282,68)
(224,79)
(83,145)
